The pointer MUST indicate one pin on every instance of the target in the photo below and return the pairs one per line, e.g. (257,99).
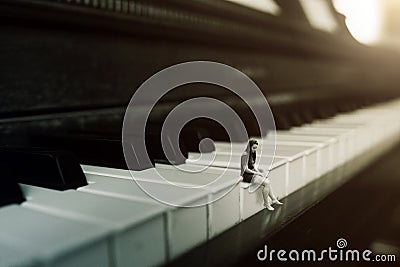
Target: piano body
(70,68)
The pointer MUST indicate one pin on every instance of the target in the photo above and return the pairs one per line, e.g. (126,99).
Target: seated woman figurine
(255,176)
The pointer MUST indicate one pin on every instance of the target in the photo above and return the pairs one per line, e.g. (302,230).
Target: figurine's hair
(250,144)
(253,142)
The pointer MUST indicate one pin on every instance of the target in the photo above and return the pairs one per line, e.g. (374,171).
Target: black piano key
(343,107)
(107,151)
(281,121)
(322,112)
(45,168)
(10,192)
(89,149)
(296,119)
(191,139)
(307,116)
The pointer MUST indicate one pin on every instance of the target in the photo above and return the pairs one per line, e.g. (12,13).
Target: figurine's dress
(248,160)
(254,180)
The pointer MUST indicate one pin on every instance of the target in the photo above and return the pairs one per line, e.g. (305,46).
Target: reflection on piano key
(268,6)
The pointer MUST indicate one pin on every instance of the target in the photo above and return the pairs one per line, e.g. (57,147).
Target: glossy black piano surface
(72,67)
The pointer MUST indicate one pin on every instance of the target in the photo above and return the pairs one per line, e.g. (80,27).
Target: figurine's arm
(255,171)
(260,171)
(246,167)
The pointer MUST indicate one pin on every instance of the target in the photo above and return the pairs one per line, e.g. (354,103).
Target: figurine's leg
(272,196)
(265,192)
(271,193)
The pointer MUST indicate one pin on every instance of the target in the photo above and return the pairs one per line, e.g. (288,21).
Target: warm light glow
(319,14)
(268,6)
(363,18)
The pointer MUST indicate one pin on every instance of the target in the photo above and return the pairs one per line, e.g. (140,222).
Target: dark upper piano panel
(68,66)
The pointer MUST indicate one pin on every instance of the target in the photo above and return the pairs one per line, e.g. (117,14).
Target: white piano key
(334,140)
(106,171)
(222,184)
(326,150)
(55,241)
(345,141)
(365,134)
(223,213)
(295,169)
(136,228)
(322,152)
(312,164)
(250,203)
(358,130)
(314,151)
(186,227)
(376,129)
(222,160)
(214,159)
(14,254)
(205,176)
(225,147)
(279,176)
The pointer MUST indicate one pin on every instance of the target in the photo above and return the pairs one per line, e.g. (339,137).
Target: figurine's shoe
(246,185)
(269,207)
(277,202)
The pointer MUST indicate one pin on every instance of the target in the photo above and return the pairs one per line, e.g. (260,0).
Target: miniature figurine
(251,174)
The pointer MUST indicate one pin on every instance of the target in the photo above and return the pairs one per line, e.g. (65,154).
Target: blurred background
(371,22)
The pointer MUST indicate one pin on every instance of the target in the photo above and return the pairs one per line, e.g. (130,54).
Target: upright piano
(69,69)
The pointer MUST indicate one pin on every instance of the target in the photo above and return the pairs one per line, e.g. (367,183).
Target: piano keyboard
(112,222)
